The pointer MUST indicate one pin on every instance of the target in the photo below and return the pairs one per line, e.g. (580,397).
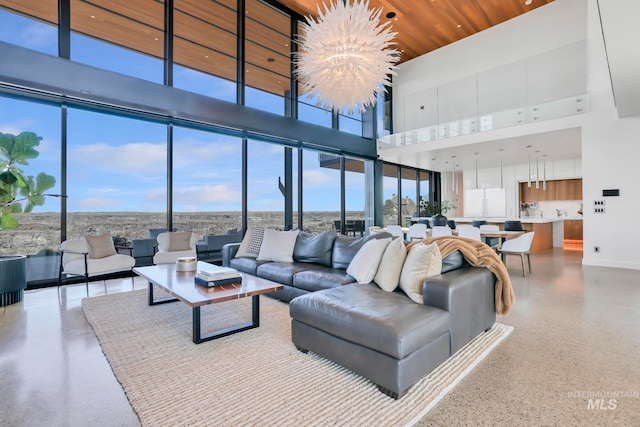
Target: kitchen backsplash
(556,208)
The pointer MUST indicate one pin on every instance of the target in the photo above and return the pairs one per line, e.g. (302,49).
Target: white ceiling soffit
(563,144)
(621,32)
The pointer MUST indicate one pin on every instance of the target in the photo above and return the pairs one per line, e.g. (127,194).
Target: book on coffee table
(213,283)
(211,272)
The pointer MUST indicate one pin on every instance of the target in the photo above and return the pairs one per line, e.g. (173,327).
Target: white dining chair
(440,230)
(469,232)
(417,232)
(395,230)
(521,246)
(493,242)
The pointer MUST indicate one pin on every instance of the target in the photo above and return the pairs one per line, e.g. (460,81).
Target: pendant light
(454,178)
(444,177)
(501,173)
(537,169)
(476,171)
(529,175)
(544,172)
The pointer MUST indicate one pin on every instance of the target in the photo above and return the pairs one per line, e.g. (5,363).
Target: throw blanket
(479,255)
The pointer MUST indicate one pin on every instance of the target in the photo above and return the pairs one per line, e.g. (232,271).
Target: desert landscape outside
(40,232)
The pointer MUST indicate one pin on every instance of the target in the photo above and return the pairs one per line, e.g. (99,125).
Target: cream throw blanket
(479,255)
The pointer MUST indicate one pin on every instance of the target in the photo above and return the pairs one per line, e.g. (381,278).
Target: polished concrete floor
(575,342)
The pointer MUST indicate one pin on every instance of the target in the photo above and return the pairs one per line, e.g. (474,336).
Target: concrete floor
(575,339)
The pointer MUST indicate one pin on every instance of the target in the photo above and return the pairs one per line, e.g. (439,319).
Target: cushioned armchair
(92,257)
(174,245)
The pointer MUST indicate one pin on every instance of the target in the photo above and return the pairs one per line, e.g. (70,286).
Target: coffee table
(181,285)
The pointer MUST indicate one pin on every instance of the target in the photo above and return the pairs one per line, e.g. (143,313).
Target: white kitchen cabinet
(485,202)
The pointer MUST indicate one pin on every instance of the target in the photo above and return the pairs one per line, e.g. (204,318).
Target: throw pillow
(365,263)
(179,241)
(256,241)
(278,245)
(100,246)
(315,248)
(243,250)
(422,261)
(388,274)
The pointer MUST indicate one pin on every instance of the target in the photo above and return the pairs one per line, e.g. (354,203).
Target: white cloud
(318,177)
(140,157)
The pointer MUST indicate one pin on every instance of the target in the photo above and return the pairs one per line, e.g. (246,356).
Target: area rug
(255,377)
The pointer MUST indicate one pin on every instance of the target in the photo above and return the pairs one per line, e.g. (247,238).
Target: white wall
(610,152)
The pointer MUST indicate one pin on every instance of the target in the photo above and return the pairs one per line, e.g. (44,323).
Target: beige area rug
(255,377)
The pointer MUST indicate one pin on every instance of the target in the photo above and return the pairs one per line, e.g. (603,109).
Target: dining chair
(469,232)
(417,231)
(478,222)
(513,226)
(440,230)
(521,246)
(451,223)
(395,230)
(493,242)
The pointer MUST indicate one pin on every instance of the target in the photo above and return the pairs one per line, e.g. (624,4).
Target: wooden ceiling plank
(117,30)
(207,11)
(148,12)
(189,28)
(44,10)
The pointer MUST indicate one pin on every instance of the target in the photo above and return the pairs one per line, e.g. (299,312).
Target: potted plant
(19,193)
(437,210)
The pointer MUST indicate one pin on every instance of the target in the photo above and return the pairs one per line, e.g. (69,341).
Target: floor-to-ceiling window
(355,196)
(425,185)
(119,37)
(38,233)
(390,207)
(204,47)
(408,204)
(265,171)
(116,172)
(207,182)
(321,191)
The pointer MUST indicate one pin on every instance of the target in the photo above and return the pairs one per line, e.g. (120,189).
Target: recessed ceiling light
(271,60)
(459,25)
(391,15)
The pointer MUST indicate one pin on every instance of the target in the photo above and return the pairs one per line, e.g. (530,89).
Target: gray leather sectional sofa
(383,336)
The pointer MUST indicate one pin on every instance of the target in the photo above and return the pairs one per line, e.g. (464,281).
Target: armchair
(92,257)
(174,245)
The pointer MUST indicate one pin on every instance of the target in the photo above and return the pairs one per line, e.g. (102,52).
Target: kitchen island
(549,231)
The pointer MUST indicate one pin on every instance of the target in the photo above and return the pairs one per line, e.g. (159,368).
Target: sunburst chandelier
(346,56)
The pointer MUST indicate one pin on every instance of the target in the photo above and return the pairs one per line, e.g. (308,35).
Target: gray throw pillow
(314,248)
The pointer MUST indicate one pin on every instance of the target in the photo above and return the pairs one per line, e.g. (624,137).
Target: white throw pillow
(365,263)
(388,274)
(422,261)
(278,245)
(243,250)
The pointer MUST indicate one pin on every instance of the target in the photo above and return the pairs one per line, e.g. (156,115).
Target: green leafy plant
(20,193)
(437,208)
